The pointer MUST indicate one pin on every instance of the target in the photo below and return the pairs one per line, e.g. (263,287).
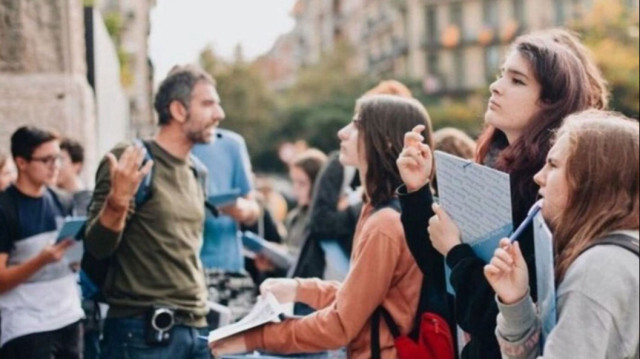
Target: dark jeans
(124,339)
(64,343)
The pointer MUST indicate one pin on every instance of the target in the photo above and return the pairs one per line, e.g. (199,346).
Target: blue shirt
(227,160)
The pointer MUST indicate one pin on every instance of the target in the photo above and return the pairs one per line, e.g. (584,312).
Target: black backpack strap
(144,190)
(621,240)
(375,330)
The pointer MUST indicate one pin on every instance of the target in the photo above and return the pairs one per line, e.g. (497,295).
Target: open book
(266,310)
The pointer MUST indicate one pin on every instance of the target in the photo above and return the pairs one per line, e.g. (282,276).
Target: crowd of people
(162,266)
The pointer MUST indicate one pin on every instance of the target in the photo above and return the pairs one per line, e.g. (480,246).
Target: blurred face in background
(68,170)
(7,174)
(301,185)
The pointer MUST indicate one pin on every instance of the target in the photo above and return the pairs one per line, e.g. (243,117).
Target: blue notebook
(278,256)
(71,228)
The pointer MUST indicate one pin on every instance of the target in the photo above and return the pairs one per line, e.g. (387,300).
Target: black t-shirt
(35,215)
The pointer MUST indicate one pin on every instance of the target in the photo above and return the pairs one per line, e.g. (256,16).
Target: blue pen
(532,213)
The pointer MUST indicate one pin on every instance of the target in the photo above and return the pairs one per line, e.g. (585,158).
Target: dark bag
(432,336)
(96,269)
(621,240)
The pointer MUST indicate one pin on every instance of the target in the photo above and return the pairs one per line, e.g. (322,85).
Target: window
(433,63)
(558,7)
(519,12)
(455,16)
(490,13)
(432,24)
(491,62)
(459,75)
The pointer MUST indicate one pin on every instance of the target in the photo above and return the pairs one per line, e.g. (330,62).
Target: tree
(611,32)
(247,102)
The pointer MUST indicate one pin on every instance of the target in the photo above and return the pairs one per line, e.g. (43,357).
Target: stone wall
(43,72)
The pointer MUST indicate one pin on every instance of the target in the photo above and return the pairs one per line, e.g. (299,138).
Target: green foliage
(611,32)
(114,23)
(247,102)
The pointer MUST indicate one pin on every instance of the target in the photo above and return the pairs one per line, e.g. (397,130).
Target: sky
(180,29)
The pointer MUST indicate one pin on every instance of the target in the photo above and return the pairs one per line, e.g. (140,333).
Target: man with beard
(154,284)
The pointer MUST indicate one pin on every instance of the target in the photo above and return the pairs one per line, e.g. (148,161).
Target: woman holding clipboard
(541,81)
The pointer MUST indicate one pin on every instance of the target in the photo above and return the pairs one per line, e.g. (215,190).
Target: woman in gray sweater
(589,187)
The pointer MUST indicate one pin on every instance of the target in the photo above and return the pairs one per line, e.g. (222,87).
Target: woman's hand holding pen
(443,231)
(415,162)
(507,272)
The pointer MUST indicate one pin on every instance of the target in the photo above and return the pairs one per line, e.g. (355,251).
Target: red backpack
(431,336)
(434,338)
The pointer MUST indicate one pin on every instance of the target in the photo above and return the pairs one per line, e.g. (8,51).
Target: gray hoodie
(598,311)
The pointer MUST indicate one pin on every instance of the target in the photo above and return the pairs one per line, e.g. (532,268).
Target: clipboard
(478,200)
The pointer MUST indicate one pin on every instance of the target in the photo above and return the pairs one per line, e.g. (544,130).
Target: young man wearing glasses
(39,299)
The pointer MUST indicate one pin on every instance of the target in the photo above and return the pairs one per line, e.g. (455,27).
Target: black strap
(621,240)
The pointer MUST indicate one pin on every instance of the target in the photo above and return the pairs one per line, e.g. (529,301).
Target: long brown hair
(563,82)
(383,121)
(599,93)
(603,176)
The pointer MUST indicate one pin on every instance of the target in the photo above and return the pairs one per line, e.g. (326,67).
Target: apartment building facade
(451,46)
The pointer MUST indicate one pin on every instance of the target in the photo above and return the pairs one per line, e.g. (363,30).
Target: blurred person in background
(71,165)
(72,154)
(228,282)
(303,171)
(7,171)
(454,142)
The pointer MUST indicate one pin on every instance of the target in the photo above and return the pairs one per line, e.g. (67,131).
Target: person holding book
(382,272)
(590,194)
(541,82)
(39,297)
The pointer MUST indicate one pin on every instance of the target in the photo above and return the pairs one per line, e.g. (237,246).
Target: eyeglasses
(48,160)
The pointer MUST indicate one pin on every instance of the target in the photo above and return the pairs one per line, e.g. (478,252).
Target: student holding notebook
(382,272)
(541,82)
(589,187)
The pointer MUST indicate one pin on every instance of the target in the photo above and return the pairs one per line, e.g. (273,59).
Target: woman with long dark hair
(540,83)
